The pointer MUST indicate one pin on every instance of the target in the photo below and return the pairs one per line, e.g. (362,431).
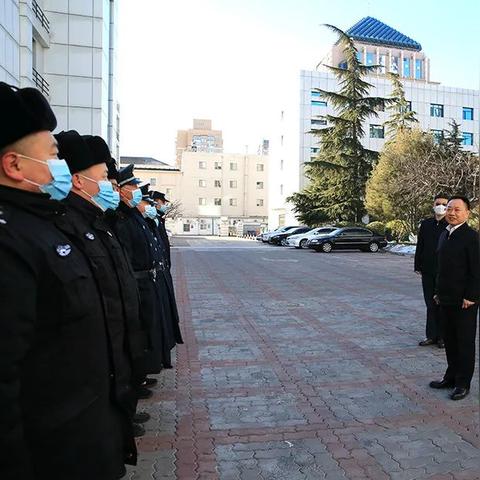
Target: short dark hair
(464,199)
(440,195)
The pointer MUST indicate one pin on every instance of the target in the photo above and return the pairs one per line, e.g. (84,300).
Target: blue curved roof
(371,30)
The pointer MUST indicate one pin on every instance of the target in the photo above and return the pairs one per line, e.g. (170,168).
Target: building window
(408,108)
(203,225)
(377,131)
(394,65)
(383,63)
(260,202)
(418,69)
(281,189)
(467,138)
(218,165)
(343,65)
(202,201)
(233,202)
(260,167)
(315,94)
(217,201)
(186,227)
(406,68)
(233,184)
(153,182)
(202,165)
(217,184)
(281,164)
(436,110)
(233,166)
(314,150)
(202,183)
(259,185)
(318,121)
(370,58)
(318,103)
(359,58)
(467,113)
(168,192)
(437,135)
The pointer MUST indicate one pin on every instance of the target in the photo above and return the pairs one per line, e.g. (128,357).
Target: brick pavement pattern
(298,365)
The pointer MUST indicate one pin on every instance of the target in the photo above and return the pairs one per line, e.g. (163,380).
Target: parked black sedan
(349,238)
(278,238)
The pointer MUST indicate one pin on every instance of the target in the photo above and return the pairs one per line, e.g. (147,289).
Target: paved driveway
(303,365)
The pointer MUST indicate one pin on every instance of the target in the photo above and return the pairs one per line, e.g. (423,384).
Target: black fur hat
(23,111)
(74,149)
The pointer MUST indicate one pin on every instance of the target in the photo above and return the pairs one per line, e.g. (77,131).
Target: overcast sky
(238,63)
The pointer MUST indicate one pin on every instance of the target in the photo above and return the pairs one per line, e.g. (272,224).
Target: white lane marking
(285,260)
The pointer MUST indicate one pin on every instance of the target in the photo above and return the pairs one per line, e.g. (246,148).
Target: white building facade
(435,105)
(66,49)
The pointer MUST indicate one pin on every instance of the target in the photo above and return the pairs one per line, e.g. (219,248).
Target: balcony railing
(40,82)
(41,16)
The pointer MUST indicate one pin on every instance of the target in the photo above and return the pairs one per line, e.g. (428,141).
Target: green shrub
(377,227)
(397,230)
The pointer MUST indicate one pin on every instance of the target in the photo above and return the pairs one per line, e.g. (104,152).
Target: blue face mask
(61,183)
(105,197)
(136,198)
(164,208)
(150,212)
(116,200)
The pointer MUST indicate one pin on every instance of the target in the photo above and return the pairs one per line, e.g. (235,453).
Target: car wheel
(373,247)
(327,247)
(303,243)
(283,243)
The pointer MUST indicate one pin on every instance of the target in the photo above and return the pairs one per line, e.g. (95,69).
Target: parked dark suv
(349,238)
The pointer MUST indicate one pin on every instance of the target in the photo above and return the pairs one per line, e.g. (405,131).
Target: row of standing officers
(86,295)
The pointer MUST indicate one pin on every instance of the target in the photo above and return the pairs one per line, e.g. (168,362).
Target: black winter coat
(139,243)
(458,258)
(85,225)
(58,415)
(427,242)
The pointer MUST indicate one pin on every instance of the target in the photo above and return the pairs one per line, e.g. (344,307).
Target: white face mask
(440,209)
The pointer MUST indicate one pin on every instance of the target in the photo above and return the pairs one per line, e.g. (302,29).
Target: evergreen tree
(452,139)
(339,173)
(401,115)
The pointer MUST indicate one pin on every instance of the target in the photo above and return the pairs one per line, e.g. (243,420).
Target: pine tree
(401,114)
(339,174)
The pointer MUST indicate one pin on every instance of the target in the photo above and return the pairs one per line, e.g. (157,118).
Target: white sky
(237,63)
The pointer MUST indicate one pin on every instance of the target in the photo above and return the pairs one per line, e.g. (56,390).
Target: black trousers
(434,328)
(460,332)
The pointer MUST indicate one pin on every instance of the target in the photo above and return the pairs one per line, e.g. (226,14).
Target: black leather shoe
(141,417)
(150,382)
(426,342)
(441,344)
(143,393)
(459,393)
(138,430)
(442,384)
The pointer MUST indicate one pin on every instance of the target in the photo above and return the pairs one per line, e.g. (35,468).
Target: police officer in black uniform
(59,415)
(138,242)
(160,232)
(91,196)
(162,205)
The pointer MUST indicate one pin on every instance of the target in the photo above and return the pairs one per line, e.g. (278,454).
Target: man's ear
(77,181)
(10,162)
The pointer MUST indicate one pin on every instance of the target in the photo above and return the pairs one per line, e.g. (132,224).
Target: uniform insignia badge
(63,250)
(109,233)
(90,236)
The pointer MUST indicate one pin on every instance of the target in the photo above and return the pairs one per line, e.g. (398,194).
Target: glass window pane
(467,113)
(406,68)
(394,65)
(370,58)
(377,131)
(418,69)
(467,138)
(436,110)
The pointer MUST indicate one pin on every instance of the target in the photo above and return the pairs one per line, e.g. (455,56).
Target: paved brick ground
(300,365)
